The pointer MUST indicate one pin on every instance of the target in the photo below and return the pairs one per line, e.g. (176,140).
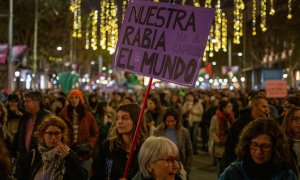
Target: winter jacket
(111,164)
(236,171)
(184,145)
(32,163)
(19,146)
(233,135)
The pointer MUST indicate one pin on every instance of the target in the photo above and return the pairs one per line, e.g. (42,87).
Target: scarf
(53,165)
(260,171)
(224,121)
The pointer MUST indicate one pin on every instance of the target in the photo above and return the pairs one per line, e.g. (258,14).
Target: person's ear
(149,167)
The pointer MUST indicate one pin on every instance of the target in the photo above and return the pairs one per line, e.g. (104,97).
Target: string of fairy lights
(102,27)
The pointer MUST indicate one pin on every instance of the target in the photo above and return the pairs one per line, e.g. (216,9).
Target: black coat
(111,164)
(233,135)
(29,167)
(19,139)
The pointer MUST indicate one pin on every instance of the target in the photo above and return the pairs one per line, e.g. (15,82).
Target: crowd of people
(90,135)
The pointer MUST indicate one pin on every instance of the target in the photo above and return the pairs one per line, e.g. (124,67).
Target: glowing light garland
(218,26)
(112,28)
(224,33)
(87,32)
(103,24)
(124,6)
(289,16)
(196,3)
(272,10)
(75,8)
(263,15)
(94,30)
(238,21)
(253,17)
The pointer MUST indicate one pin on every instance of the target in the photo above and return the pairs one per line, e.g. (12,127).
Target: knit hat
(78,93)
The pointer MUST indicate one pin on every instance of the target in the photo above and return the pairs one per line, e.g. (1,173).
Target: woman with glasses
(291,127)
(53,160)
(158,159)
(173,130)
(110,160)
(262,153)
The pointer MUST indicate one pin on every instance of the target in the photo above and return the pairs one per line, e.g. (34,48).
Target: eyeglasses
(295,118)
(52,133)
(170,160)
(263,147)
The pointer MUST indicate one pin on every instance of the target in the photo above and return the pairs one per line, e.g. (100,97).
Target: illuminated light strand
(124,6)
(87,32)
(253,17)
(289,16)
(183,2)
(263,15)
(207,4)
(103,24)
(94,30)
(224,33)
(112,27)
(238,21)
(211,43)
(218,27)
(196,3)
(75,7)
(272,10)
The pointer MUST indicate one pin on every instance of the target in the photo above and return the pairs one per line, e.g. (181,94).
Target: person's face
(151,105)
(74,100)
(30,105)
(295,122)
(170,122)
(124,123)
(261,149)
(228,108)
(165,168)
(261,109)
(286,106)
(52,136)
(190,98)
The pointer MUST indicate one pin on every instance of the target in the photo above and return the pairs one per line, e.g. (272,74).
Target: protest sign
(163,41)
(276,88)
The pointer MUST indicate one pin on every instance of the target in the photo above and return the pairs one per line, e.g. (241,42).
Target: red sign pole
(137,130)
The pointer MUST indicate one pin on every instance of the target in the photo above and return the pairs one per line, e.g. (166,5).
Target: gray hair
(152,149)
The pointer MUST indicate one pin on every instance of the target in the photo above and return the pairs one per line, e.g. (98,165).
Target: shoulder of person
(234,171)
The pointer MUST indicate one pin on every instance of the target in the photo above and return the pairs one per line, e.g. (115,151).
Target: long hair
(287,121)
(5,162)
(115,139)
(3,117)
(172,112)
(80,110)
(280,156)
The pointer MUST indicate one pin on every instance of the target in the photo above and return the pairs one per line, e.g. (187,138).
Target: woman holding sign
(110,161)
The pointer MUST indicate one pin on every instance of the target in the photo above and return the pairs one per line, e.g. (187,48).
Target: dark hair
(134,111)
(170,111)
(100,110)
(36,96)
(280,156)
(287,121)
(13,97)
(157,103)
(292,99)
(223,104)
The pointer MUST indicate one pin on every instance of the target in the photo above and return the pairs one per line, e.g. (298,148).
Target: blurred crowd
(90,134)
